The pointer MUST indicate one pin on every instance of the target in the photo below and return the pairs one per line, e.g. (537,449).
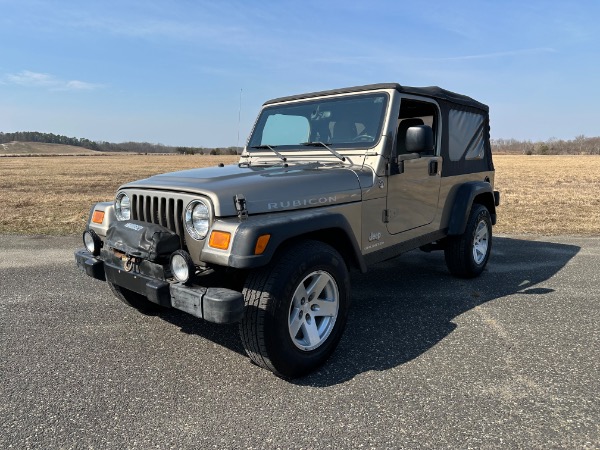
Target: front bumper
(214,304)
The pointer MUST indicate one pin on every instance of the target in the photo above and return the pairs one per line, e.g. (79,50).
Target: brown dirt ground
(546,195)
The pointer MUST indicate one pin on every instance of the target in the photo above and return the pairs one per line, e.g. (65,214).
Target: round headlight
(182,266)
(197,219)
(122,206)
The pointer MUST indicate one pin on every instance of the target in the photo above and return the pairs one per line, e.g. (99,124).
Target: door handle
(433,167)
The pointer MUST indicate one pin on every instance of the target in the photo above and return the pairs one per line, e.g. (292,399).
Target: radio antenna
(239,120)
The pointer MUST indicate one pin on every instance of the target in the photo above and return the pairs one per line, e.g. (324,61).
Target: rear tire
(296,309)
(467,254)
(133,299)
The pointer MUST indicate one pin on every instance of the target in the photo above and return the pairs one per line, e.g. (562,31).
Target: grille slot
(163,211)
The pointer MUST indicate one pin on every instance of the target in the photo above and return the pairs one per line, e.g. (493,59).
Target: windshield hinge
(240,206)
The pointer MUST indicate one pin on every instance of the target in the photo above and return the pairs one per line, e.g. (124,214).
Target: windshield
(348,122)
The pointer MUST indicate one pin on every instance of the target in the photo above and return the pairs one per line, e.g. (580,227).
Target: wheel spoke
(299,295)
(317,285)
(482,232)
(324,308)
(311,333)
(295,322)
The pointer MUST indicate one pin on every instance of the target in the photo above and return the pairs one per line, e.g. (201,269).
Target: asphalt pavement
(510,359)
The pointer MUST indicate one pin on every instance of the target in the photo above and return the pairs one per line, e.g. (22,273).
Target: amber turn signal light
(219,239)
(261,244)
(98,216)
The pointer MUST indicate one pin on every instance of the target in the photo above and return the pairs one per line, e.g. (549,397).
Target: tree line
(581,145)
(103,146)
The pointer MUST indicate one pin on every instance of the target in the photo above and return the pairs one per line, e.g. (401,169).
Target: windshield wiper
(322,144)
(270,147)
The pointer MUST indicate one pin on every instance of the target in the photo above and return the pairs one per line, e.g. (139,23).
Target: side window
(414,113)
(466,135)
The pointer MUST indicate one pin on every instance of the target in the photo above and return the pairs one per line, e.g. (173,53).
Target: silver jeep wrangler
(328,181)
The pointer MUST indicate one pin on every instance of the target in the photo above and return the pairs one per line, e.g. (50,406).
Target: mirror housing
(419,139)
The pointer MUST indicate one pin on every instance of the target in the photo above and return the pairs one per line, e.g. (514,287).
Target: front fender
(108,218)
(282,228)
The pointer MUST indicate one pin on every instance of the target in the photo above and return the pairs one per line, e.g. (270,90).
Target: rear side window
(465,135)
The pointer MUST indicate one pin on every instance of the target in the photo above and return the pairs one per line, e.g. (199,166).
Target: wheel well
(337,238)
(487,200)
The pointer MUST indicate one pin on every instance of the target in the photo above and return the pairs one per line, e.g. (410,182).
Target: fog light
(92,242)
(182,266)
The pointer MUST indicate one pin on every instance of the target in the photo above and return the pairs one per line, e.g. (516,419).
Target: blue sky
(171,71)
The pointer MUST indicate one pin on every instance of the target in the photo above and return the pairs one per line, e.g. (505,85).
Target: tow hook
(130,262)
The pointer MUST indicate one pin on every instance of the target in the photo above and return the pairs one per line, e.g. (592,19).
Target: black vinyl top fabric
(429,91)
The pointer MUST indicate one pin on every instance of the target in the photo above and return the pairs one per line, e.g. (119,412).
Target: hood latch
(240,206)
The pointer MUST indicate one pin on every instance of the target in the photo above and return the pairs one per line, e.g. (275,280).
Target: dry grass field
(547,195)
(53,195)
(39,148)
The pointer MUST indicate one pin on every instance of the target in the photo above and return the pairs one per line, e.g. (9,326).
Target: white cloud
(28,78)
(76,85)
(509,53)
(388,58)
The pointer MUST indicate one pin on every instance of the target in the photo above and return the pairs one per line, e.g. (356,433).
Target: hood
(266,188)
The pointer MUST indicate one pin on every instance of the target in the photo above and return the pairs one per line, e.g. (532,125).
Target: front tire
(467,254)
(296,309)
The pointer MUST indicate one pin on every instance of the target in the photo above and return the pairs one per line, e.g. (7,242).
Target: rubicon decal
(303,202)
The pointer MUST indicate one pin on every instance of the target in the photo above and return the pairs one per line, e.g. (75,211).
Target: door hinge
(394,167)
(433,167)
(240,206)
(386,216)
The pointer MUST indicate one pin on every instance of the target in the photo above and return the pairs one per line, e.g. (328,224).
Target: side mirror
(419,139)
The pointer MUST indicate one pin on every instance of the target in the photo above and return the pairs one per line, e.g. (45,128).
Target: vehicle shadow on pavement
(225,335)
(403,307)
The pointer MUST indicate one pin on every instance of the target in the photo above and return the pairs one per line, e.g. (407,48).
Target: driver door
(413,193)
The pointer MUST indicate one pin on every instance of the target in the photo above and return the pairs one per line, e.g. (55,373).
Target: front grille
(164,211)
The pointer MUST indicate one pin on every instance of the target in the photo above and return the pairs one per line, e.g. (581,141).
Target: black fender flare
(286,226)
(463,201)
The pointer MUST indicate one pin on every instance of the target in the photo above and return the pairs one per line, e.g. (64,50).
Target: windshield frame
(255,138)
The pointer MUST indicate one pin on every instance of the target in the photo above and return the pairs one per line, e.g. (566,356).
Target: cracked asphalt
(510,359)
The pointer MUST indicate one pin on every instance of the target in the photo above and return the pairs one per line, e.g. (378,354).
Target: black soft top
(429,91)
